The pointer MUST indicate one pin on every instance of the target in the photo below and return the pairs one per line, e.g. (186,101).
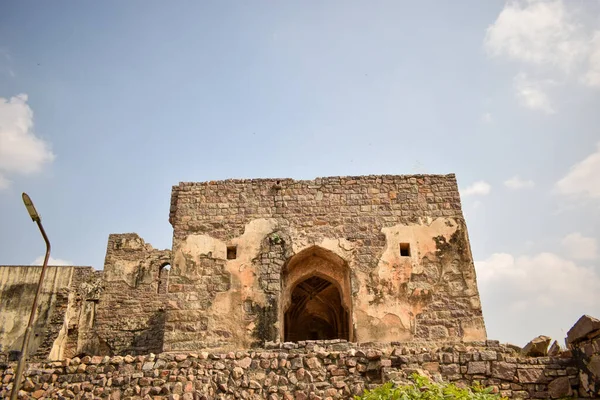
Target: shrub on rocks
(421,388)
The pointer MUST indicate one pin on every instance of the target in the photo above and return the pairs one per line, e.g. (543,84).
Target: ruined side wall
(128,316)
(18,285)
(78,321)
(333,370)
(583,340)
(587,354)
(219,302)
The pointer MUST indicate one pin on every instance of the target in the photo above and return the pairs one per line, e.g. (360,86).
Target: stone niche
(365,259)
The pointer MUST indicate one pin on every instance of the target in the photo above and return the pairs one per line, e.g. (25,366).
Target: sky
(104,106)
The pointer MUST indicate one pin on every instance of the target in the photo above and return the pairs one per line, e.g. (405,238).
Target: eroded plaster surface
(252,258)
(429,295)
(18,286)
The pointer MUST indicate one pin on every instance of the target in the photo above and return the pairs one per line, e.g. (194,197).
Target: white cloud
(532,94)
(479,188)
(486,118)
(580,247)
(592,76)
(517,183)
(21,152)
(51,261)
(541,294)
(583,179)
(547,38)
(537,32)
(544,278)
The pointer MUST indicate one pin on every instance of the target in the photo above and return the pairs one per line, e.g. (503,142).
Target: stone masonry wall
(215,301)
(304,370)
(18,285)
(73,339)
(587,354)
(60,306)
(129,314)
(583,340)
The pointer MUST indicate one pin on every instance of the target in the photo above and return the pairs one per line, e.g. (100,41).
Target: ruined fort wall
(128,315)
(332,370)
(18,285)
(216,301)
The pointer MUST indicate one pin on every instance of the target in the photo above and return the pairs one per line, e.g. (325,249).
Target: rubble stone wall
(583,340)
(219,301)
(315,370)
(587,354)
(129,312)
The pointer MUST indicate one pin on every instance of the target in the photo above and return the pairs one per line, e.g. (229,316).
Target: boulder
(514,347)
(538,347)
(554,349)
(582,328)
(560,388)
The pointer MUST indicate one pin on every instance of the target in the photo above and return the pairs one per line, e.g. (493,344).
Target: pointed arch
(316,296)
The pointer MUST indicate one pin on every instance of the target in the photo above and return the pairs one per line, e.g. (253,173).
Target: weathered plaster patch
(18,286)
(197,245)
(421,239)
(226,311)
(248,248)
(342,247)
(123,270)
(388,305)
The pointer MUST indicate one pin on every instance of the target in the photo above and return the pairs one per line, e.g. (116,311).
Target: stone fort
(275,263)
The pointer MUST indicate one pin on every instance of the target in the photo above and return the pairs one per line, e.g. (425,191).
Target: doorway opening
(316,312)
(317,298)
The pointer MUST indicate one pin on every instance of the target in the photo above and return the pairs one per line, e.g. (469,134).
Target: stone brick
(560,387)
(530,375)
(503,370)
(476,367)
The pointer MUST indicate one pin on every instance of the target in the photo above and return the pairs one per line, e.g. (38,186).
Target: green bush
(422,388)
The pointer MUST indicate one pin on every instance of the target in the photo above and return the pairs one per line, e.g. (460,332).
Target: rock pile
(305,370)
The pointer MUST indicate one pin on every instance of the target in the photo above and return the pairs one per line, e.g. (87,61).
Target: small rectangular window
(231,252)
(405,249)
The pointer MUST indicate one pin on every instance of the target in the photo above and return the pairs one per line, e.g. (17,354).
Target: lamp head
(30,208)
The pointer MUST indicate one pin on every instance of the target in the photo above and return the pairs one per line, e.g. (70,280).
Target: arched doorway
(316,312)
(316,297)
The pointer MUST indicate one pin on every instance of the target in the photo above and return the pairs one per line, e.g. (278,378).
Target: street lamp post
(22,360)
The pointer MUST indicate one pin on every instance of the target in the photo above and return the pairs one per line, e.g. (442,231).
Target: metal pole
(22,360)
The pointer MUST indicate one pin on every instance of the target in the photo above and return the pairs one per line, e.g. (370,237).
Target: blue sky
(105,105)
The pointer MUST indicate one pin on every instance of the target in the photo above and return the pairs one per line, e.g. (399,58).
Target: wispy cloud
(580,247)
(526,289)
(516,183)
(583,180)
(51,261)
(540,33)
(592,76)
(533,94)
(479,188)
(551,42)
(4,183)
(6,63)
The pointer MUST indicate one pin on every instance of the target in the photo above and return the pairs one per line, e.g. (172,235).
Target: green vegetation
(422,388)
(276,239)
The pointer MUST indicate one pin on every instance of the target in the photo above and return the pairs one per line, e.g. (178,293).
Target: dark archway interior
(315,312)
